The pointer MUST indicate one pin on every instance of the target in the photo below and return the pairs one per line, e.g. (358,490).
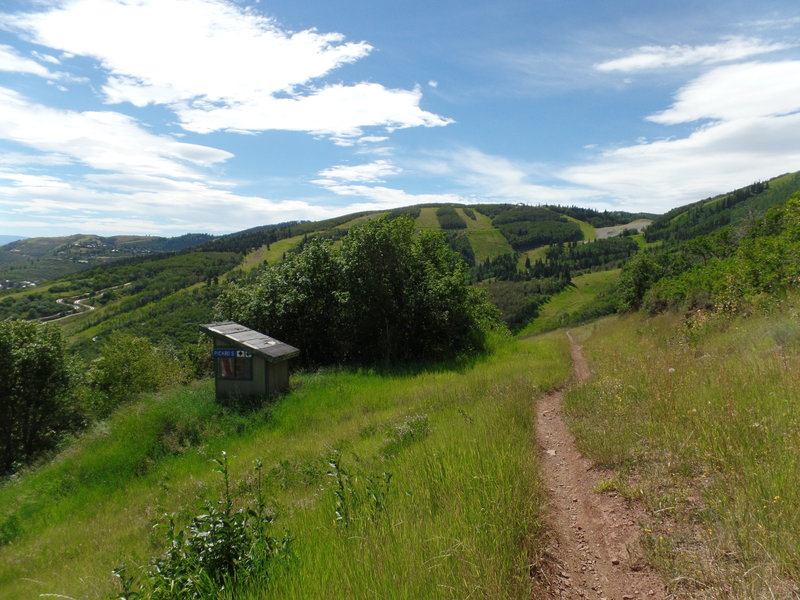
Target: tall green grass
(460,515)
(700,419)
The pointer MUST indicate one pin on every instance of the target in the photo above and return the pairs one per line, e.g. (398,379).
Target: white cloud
(783,23)
(222,67)
(742,91)
(143,204)
(11,61)
(660,57)
(386,197)
(373,172)
(350,180)
(100,140)
(20,159)
(335,110)
(46,58)
(372,139)
(170,50)
(715,159)
(471,176)
(750,114)
(499,179)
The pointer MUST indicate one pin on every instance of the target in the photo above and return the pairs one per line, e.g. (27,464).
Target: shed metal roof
(250,340)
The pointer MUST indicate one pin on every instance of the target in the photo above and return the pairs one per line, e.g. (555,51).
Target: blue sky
(171,116)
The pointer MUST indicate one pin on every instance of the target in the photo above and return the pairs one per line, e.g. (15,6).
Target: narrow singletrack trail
(595,543)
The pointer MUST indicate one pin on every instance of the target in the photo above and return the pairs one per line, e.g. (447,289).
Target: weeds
(407,431)
(458,518)
(219,550)
(356,497)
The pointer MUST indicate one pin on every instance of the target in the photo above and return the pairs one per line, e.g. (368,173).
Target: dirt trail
(595,545)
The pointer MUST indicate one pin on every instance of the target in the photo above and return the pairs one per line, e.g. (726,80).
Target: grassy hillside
(460,516)
(587,229)
(427,219)
(423,482)
(699,421)
(486,241)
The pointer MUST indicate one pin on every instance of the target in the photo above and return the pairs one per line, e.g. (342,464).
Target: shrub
(131,365)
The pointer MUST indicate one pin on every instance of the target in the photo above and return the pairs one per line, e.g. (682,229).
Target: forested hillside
(707,216)
(485,236)
(41,259)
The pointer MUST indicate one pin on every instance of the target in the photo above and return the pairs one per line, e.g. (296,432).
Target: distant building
(248,363)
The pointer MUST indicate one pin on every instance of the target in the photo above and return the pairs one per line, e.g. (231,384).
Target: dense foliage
(37,391)
(460,243)
(519,301)
(388,294)
(527,227)
(449,218)
(130,365)
(600,253)
(409,211)
(724,271)
(29,306)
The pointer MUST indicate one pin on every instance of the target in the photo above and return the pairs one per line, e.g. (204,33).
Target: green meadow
(698,417)
(443,497)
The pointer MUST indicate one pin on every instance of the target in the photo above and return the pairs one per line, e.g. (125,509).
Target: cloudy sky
(172,116)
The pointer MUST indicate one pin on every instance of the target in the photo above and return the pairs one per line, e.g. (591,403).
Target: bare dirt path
(595,546)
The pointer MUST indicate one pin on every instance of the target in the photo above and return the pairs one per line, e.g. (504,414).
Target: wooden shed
(248,363)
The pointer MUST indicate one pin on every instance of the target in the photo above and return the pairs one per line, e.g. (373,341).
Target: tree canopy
(36,391)
(388,294)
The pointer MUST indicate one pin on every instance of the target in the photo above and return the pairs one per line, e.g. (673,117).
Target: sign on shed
(247,362)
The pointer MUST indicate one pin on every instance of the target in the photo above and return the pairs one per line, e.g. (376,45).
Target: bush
(717,271)
(129,366)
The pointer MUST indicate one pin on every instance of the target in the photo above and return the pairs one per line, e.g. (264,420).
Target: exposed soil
(594,549)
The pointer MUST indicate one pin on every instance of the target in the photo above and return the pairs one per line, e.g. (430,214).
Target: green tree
(389,294)
(298,300)
(37,391)
(639,274)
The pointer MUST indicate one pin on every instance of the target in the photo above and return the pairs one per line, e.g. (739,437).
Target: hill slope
(431,456)
(479,233)
(711,214)
(44,258)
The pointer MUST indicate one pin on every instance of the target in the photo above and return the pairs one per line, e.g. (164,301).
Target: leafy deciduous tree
(37,400)
(389,294)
